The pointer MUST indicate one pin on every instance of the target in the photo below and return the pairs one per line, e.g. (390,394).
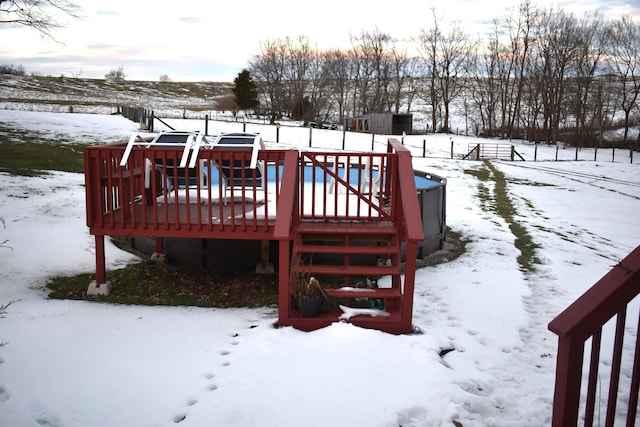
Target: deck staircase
(352,255)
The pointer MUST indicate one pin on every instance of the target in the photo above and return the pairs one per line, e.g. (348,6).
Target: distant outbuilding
(381,123)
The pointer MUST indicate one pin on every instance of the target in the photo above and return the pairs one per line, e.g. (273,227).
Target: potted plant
(308,294)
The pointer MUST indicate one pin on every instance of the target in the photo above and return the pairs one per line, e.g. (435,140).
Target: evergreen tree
(245,91)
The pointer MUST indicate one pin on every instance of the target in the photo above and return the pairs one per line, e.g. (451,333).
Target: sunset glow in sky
(192,40)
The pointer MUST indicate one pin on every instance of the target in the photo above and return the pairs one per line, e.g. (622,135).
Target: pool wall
(432,199)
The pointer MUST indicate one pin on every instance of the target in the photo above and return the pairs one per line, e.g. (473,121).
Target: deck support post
(100,286)
(159,255)
(264,267)
(159,245)
(100,260)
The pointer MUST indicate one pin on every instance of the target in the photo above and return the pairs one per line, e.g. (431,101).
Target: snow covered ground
(74,363)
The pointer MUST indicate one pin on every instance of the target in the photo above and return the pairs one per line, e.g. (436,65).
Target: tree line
(538,73)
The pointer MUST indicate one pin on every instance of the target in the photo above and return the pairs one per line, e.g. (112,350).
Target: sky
(85,364)
(191,42)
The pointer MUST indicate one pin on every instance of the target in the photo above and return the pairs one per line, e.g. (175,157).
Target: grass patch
(502,205)
(152,283)
(34,159)
(29,153)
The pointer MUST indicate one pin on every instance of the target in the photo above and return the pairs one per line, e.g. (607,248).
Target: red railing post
(287,215)
(407,201)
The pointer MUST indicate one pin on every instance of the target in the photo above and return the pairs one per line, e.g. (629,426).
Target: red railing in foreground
(611,397)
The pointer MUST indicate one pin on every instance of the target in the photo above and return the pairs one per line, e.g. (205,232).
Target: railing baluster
(596,340)
(615,367)
(635,381)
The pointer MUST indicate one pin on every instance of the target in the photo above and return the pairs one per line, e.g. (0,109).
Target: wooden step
(342,237)
(353,270)
(380,293)
(351,228)
(346,249)
(390,324)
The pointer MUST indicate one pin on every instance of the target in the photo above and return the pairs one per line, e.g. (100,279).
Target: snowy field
(75,363)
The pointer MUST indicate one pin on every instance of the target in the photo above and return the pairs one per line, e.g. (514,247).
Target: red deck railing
(143,197)
(610,393)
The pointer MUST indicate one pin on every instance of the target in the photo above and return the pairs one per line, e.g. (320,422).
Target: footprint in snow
(210,376)
(42,416)
(4,393)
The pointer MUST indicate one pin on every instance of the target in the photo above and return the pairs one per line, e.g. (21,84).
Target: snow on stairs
(342,256)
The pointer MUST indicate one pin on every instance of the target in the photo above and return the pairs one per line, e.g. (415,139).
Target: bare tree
(37,14)
(516,57)
(558,44)
(585,99)
(319,88)
(624,64)
(448,57)
(115,76)
(428,45)
(400,79)
(374,71)
(268,70)
(485,88)
(539,70)
(338,72)
(298,60)
(412,82)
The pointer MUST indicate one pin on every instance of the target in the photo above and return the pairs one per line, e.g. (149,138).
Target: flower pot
(309,305)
